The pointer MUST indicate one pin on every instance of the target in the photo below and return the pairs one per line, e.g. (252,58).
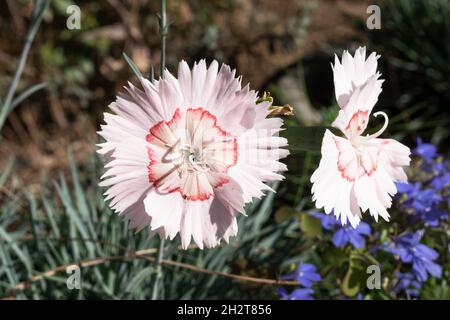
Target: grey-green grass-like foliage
(67,222)
(9,102)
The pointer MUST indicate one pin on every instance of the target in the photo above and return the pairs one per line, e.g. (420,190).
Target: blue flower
(434,216)
(432,161)
(426,151)
(305,274)
(440,182)
(410,189)
(408,283)
(297,294)
(418,198)
(329,222)
(425,203)
(410,250)
(345,234)
(439,167)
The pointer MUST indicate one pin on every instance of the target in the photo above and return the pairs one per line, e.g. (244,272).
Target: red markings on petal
(357,123)
(190,154)
(354,163)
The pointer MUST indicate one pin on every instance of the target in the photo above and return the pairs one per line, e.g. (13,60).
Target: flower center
(355,161)
(360,156)
(191,158)
(190,154)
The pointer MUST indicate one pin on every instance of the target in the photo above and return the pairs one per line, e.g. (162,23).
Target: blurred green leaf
(284,213)
(334,257)
(311,226)
(305,138)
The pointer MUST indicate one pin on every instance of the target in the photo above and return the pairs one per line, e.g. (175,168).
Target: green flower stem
(163,29)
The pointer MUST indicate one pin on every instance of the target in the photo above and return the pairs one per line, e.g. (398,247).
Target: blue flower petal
(340,238)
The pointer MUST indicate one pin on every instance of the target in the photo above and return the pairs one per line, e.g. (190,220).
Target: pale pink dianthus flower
(186,153)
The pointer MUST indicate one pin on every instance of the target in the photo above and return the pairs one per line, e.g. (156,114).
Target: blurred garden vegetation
(51,211)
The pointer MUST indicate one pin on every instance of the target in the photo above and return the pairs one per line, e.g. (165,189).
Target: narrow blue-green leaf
(4,236)
(6,171)
(152,74)
(25,94)
(79,192)
(5,258)
(133,66)
(82,201)
(50,212)
(78,224)
(136,282)
(34,220)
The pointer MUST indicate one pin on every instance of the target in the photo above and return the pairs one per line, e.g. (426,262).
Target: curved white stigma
(379,132)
